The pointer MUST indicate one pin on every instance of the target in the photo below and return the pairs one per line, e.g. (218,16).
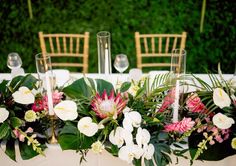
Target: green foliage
(10,149)
(104,85)
(27,151)
(77,89)
(216,43)
(71,138)
(16,122)
(125,86)
(4,130)
(215,152)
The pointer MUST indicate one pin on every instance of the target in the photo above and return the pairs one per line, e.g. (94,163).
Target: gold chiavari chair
(68,46)
(157,46)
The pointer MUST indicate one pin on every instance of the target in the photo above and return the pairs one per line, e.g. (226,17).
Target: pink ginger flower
(195,104)
(106,106)
(181,126)
(56,98)
(168,100)
(21,136)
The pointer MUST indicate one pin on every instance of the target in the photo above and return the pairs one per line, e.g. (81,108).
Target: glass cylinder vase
(45,75)
(104,52)
(178,69)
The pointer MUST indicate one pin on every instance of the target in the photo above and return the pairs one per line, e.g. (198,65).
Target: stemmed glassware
(121,63)
(14,62)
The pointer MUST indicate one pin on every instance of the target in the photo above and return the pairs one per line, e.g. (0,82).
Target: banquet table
(55,156)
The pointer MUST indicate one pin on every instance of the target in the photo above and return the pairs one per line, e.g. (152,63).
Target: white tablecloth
(56,157)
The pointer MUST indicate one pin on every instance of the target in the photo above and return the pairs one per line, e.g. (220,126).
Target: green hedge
(19,33)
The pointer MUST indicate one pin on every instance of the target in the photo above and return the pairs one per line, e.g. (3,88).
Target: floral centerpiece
(120,121)
(132,121)
(18,119)
(213,111)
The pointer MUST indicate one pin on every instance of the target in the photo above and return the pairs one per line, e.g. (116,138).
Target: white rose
(66,110)
(222,121)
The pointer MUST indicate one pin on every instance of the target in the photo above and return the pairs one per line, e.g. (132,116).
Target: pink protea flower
(194,103)
(168,100)
(181,126)
(106,106)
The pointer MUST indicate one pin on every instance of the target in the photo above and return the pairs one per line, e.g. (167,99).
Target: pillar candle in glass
(104,52)
(178,68)
(44,70)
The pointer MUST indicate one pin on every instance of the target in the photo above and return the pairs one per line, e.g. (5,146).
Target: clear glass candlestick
(178,69)
(44,70)
(104,52)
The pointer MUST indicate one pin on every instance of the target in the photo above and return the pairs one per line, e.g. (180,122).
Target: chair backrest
(157,46)
(66,45)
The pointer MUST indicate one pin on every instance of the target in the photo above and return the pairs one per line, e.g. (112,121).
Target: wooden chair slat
(166,43)
(64,44)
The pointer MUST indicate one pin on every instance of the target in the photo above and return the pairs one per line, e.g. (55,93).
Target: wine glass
(121,63)
(14,62)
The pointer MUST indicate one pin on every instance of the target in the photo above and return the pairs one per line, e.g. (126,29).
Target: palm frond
(160,80)
(205,85)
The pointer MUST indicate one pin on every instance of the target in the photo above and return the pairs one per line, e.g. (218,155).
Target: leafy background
(19,33)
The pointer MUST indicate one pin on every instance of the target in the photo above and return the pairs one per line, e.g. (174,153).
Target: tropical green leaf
(4,130)
(16,122)
(10,149)
(125,86)
(203,83)
(140,93)
(104,85)
(77,89)
(163,136)
(160,80)
(3,86)
(71,138)
(69,128)
(26,151)
(215,152)
(28,81)
(113,150)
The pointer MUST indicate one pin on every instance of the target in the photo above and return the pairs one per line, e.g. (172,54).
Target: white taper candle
(106,62)
(176,103)
(49,94)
